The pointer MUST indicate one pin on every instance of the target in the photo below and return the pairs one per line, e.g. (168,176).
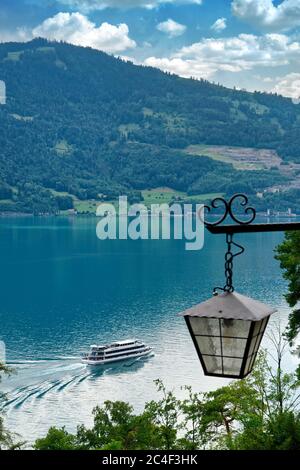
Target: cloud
(289,86)
(171,28)
(235,54)
(89,5)
(219,25)
(21,34)
(77,29)
(184,68)
(264,14)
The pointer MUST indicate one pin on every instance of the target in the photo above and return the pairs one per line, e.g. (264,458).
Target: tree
(115,427)
(193,411)
(288,253)
(7,439)
(116,424)
(64,202)
(165,414)
(56,439)
(271,420)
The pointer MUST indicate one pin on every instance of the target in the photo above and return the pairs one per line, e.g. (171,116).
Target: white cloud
(171,28)
(219,25)
(236,54)
(21,34)
(77,29)
(89,5)
(289,86)
(264,14)
(184,68)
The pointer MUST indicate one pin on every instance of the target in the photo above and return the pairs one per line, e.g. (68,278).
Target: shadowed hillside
(80,125)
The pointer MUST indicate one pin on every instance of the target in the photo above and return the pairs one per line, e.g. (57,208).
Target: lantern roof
(231,306)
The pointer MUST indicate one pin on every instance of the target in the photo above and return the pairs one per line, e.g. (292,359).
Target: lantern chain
(229,256)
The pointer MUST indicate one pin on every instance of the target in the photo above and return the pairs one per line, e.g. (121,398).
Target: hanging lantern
(227,331)
(228,328)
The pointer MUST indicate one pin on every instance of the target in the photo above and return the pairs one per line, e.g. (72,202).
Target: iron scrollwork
(229,210)
(217,203)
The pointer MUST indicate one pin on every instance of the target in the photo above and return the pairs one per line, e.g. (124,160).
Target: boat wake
(41,360)
(59,376)
(17,397)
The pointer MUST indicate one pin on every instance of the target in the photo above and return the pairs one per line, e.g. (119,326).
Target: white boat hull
(116,359)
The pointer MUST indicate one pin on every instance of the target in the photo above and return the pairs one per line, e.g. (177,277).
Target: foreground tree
(288,253)
(7,439)
(269,418)
(115,427)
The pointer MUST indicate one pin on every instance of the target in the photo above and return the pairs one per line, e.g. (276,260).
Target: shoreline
(10,215)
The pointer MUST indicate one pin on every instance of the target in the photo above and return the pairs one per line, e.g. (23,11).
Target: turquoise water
(63,289)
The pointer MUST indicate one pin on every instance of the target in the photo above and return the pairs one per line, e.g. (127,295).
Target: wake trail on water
(72,375)
(18,397)
(68,374)
(41,360)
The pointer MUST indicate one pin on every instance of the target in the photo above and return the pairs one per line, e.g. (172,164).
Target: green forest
(80,125)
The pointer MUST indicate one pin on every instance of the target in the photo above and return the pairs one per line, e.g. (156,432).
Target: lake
(62,289)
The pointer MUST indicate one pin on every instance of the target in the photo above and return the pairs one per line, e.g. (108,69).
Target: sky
(251,44)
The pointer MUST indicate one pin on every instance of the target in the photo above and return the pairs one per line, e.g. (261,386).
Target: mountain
(80,125)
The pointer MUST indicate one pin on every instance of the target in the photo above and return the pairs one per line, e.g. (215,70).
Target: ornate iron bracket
(228,206)
(228,210)
(240,226)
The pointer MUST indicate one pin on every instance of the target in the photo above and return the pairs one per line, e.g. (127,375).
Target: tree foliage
(288,253)
(7,439)
(101,126)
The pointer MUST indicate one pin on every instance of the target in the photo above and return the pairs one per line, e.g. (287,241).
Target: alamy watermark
(160,222)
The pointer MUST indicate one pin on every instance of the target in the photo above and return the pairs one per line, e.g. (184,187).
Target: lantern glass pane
(235,328)
(209,345)
(252,361)
(259,338)
(247,367)
(234,347)
(252,345)
(257,327)
(255,344)
(205,326)
(222,344)
(213,364)
(265,321)
(232,366)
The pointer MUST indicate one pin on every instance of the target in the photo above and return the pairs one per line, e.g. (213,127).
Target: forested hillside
(81,125)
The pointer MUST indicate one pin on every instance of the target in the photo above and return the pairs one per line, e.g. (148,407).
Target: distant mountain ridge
(81,124)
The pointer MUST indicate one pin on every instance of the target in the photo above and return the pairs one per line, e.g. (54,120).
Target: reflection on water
(62,289)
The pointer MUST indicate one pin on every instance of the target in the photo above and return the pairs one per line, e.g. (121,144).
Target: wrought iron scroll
(228,208)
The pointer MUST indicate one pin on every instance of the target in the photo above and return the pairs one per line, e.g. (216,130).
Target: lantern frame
(232,307)
(243,372)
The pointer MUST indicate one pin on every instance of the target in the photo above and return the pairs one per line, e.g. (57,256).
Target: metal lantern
(227,331)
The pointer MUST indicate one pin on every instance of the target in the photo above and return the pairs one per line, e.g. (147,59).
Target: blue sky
(252,44)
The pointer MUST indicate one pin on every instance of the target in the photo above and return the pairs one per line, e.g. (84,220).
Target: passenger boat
(115,352)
